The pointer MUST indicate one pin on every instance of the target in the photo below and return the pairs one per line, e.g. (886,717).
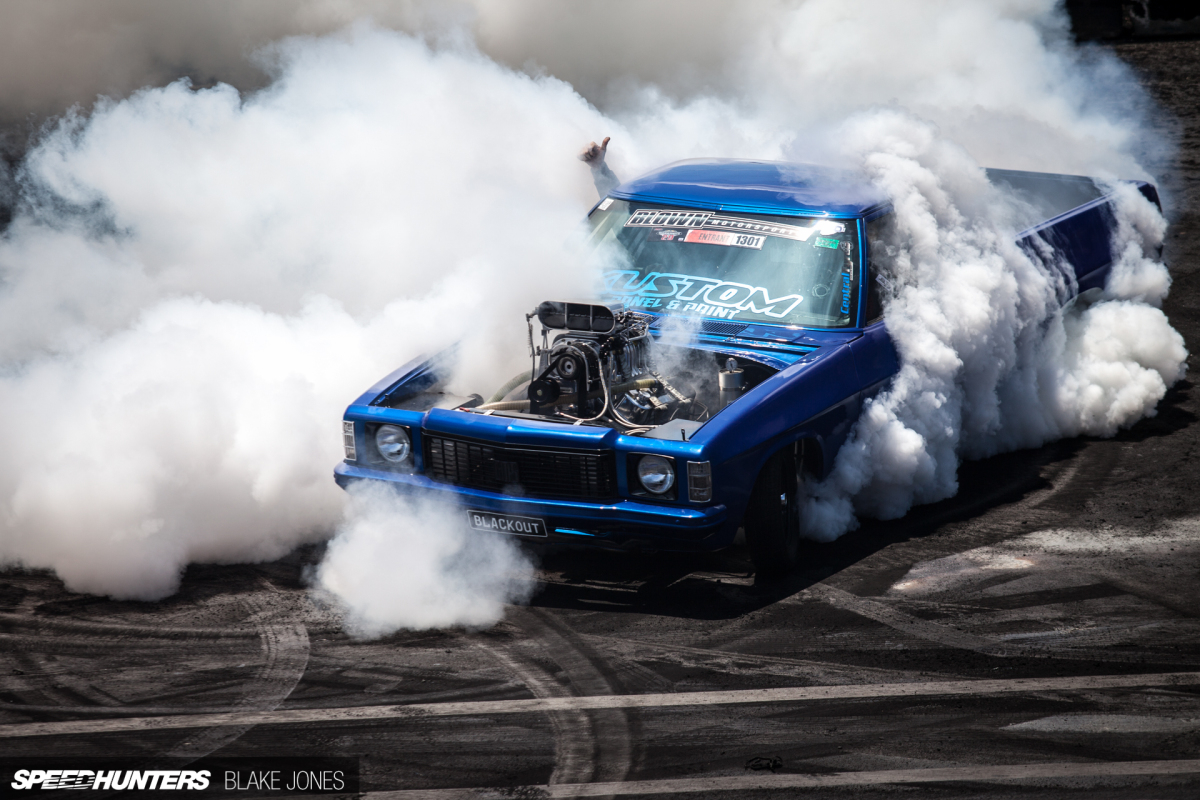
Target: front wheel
(772,519)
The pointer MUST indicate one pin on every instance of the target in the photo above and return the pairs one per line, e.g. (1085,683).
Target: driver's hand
(593,154)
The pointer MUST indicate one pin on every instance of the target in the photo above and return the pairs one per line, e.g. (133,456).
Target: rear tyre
(772,520)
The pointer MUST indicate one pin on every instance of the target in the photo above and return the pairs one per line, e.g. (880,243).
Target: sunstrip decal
(821,226)
(709,296)
(662,218)
(657,218)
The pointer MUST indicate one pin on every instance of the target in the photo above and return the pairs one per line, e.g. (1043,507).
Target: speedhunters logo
(231,777)
(118,779)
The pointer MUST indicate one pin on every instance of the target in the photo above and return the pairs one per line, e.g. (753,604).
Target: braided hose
(567,399)
(513,383)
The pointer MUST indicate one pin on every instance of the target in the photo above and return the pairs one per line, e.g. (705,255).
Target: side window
(882,249)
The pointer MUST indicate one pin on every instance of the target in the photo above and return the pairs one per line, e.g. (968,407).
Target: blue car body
(819,377)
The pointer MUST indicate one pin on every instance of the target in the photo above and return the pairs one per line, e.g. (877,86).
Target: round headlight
(393,443)
(656,473)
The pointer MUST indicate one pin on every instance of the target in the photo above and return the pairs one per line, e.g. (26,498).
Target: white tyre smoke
(201,434)
(991,360)
(198,282)
(400,563)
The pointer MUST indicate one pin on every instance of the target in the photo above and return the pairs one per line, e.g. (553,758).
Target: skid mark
(793,694)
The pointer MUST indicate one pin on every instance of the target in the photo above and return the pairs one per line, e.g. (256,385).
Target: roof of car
(764,187)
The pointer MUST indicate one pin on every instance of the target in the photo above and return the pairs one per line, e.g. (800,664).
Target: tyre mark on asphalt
(56,684)
(796,694)
(822,671)
(897,619)
(452,695)
(78,645)
(982,773)
(1058,482)
(1090,469)
(612,740)
(589,745)
(38,688)
(573,751)
(285,658)
(931,631)
(285,649)
(1151,593)
(993,521)
(53,626)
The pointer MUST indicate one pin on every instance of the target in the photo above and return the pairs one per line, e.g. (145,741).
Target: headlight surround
(393,444)
(656,474)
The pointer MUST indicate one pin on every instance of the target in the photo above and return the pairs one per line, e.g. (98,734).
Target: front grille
(527,472)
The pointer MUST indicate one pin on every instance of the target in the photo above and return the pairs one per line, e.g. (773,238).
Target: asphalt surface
(1037,635)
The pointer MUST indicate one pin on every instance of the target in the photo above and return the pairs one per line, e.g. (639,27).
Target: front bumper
(620,524)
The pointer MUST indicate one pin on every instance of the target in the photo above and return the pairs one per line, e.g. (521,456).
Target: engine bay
(604,365)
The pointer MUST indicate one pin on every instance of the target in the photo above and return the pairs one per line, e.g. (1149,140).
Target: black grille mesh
(723,328)
(708,326)
(527,472)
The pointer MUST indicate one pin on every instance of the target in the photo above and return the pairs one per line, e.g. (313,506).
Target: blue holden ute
(728,360)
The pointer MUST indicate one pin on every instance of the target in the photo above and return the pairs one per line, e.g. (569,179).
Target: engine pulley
(543,392)
(569,367)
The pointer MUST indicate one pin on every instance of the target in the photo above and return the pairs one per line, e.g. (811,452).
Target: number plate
(506,523)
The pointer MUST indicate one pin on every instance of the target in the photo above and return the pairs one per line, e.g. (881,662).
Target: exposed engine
(601,370)
(605,367)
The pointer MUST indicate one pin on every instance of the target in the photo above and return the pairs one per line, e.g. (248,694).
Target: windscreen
(747,267)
